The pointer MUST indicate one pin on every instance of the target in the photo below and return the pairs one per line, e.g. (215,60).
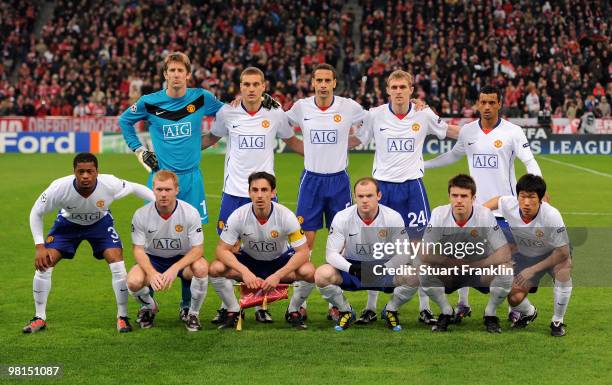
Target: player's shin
(119,276)
(498,291)
(41,287)
(423,300)
(199,287)
(525,307)
(562,293)
(401,295)
(434,288)
(372,300)
(185,293)
(300,293)
(225,291)
(464,294)
(143,296)
(333,295)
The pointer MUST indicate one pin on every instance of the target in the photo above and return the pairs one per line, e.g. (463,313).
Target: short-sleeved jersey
(175,126)
(491,157)
(264,242)
(541,235)
(355,240)
(62,195)
(481,228)
(399,142)
(326,132)
(167,238)
(250,143)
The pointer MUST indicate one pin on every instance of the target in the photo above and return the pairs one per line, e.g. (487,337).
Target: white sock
(498,292)
(372,300)
(225,291)
(464,294)
(561,293)
(199,287)
(228,285)
(525,307)
(143,296)
(423,300)
(300,293)
(333,295)
(41,286)
(437,294)
(119,276)
(400,296)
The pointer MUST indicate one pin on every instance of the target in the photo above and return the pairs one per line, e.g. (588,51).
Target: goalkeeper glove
(355,270)
(268,102)
(147,159)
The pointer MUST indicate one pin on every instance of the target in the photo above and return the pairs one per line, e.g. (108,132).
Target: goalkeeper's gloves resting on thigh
(147,158)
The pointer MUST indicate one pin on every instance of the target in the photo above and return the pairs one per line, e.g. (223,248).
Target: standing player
(168,241)
(273,250)
(83,200)
(251,133)
(476,242)
(543,247)
(399,132)
(350,259)
(175,117)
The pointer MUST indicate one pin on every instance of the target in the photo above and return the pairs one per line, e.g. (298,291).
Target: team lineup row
(399,129)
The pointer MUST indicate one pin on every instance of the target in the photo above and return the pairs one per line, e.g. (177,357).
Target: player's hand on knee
(147,159)
(270,282)
(169,276)
(251,281)
(157,282)
(523,278)
(42,261)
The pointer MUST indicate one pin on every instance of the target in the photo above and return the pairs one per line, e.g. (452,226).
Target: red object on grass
(255,297)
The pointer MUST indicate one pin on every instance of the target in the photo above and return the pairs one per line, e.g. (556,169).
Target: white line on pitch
(577,167)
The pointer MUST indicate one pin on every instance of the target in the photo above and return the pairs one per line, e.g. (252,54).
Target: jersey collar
(398,116)
(532,219)
(248,112)
(373,219)
(163,216)
(314,99)
(269,215)
(78,192)
(463,224)
(494,126)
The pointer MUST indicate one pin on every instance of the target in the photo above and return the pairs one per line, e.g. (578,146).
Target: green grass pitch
(81,333)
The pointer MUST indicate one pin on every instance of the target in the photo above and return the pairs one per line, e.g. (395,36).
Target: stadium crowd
(95,58)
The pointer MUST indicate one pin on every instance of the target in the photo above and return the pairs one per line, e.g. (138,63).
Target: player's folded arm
(295,144)
(501,255)
(556,257)
(296,261)
(192,255)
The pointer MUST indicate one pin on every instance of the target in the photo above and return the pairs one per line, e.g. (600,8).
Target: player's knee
(306,272)
(323,275)
(135,280)
(516,297)
(216,269)
(113,255)
(199,268)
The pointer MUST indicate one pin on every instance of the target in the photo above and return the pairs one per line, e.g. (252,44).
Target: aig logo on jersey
(251,142)
(400,144)
(262,246)
(177,130)
(166,244)
(86,217)
(324,136)
(363,249)
(484,161)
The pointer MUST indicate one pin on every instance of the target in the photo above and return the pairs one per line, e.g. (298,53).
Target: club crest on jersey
(337,118)
(300,219)
(416,127)
(220,225)
(177,130)
(134,108)
(191,108)
(539,233)
(474,233)
(382,233)
(498,143)
(274,234)
(100,203)
(50,239)
(178,228)
(265,123)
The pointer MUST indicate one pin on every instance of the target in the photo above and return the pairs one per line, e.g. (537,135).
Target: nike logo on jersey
(246,235)
(235,125)
(305,119)
(470,143)
(159,112)
(70,208)
(352,235)
(384,129)
(179,114)
(151,231)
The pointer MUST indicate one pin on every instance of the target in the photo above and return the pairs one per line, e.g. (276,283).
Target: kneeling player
(464,247)
(543,247)
(354,233)
(273,250)
(83,200)
(168,242)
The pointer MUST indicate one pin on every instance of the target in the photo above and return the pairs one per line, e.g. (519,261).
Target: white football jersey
(167,238)
(263,242)
(491,157)
(62,195)
(251,139)
(352,238)
(326,132)
(539,237)
(399,142)
(481,228)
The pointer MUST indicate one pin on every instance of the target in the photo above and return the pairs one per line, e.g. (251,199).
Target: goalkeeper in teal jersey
(175,125)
